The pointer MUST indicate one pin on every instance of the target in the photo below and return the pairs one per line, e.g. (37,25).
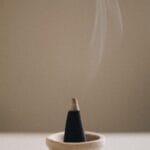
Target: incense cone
(74,131)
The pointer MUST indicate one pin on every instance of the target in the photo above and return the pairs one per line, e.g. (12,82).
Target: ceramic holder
(94,141)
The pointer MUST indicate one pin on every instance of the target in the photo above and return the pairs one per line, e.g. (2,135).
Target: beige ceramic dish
(95,141)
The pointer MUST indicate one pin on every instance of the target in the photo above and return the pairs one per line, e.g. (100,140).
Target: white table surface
(36,141)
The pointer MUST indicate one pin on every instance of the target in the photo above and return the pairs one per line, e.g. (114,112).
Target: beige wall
(43,57)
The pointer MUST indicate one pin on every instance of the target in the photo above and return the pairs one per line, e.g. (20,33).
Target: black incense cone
(74,131)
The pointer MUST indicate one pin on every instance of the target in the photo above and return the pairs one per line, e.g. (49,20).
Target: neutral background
(43,64)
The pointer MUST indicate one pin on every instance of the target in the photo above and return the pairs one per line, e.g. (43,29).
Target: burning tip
(75,104)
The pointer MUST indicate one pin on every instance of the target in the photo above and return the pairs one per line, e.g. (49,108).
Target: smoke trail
(107,18)
(105,9)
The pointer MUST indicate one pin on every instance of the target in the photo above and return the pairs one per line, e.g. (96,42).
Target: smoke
(108,19)
(105,10)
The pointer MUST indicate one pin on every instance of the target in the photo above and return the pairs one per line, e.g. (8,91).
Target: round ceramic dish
(95,141)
